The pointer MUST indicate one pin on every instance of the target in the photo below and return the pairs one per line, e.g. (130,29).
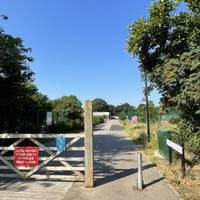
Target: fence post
(89,160)
(170,155)
(140,178)
(183,169)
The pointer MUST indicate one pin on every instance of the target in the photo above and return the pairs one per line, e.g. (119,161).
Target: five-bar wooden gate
(73,163)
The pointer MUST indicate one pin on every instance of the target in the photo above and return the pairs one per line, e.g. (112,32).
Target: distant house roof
(101,113)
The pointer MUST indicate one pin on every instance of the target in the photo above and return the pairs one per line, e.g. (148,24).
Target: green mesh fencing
(163,135)
(168,116)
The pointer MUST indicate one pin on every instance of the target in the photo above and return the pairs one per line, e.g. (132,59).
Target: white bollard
(140,177)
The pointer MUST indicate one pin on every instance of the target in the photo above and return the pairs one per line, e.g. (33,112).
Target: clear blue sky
(79,46)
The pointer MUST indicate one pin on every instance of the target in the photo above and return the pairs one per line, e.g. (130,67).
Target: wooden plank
(50,168)
(12,167)
(69,144)
(58,168)
(62,162)
(41,146)
(89,157)
(20,168)
(40,135)
(50,148)
(78,173)
(76,149)
(41,165)
(55,159)
(11,146)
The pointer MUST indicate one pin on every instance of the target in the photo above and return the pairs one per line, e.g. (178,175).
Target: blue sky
(79,46)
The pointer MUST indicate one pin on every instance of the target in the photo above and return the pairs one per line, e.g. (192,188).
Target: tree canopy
(100,105)
(153,112)
(124,108)
(167,44)
(20,99)
(69,110)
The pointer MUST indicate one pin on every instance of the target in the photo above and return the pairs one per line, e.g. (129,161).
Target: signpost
(180,150)
(175,146)
(26,156)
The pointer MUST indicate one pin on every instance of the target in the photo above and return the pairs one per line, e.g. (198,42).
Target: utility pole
(147,106)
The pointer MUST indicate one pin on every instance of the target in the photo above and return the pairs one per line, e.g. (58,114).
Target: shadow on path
(121,173)
(153,182)
(114,156)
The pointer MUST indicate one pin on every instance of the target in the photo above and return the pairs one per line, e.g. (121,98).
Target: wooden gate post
(89,160)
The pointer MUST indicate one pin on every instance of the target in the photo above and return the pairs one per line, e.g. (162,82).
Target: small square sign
(60,143)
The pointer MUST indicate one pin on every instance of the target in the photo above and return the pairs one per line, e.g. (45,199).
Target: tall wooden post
(89,160)
(183,169)
(170,155)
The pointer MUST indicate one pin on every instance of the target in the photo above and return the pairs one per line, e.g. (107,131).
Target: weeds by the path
(189,188)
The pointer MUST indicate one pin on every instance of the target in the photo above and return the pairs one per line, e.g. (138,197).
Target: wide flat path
(115,170)
(33,190)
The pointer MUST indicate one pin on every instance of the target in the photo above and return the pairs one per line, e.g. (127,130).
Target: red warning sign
(26,156)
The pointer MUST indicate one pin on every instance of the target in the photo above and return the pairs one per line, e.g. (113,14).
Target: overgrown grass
(189,188)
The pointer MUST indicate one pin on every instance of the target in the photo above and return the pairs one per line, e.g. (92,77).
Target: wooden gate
(73,163)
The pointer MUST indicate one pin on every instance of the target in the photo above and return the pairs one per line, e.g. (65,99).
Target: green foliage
(111,109)
(34,108)
(153,112)
(100,105)
(168,46)
(97,120)
(124,108)
(69,112)
(19,98)
(122,115)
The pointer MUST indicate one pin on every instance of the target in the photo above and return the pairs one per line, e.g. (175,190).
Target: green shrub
(97,120)
(66,126)
(122,116)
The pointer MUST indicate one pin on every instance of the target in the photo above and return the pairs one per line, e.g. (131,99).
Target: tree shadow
(112,150)
(121,173)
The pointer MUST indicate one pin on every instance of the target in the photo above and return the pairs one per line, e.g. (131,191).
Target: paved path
(33,190)
(115,171)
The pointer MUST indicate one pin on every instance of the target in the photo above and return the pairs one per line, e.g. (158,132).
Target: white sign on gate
(175,146)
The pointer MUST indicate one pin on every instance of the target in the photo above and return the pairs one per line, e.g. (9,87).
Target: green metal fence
(163,135)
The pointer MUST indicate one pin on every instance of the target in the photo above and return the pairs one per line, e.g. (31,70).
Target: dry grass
(189,188)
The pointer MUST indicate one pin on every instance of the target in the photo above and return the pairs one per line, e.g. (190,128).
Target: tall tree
(14,75)
(69,110)
(124,108)
(111,109)
(100,105)
(153,112)
(168,45)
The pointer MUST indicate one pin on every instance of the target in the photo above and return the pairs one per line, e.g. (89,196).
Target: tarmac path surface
(116,170)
